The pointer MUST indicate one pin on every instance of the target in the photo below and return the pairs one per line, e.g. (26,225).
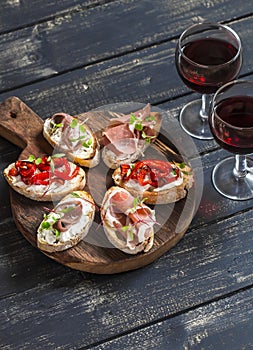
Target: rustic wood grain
(197,295)
(18,14)
(206,265)
(77,39)
(24,128)
(219,325)
(135,77)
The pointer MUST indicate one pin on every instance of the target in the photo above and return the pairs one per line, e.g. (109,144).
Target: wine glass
(207,56)
(231,123)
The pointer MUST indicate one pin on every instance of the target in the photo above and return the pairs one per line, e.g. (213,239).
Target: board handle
(22,127)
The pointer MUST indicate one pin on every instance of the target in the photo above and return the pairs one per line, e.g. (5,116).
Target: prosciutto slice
(121,134)
(132,220)
(121,140)
(71,137)
(70,214)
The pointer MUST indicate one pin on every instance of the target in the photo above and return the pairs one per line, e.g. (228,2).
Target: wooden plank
(41,10)
(15,14)
(135,77)
(213,205)
(204,266)
(225,324)
(174,107)
(22,266)
(39,51)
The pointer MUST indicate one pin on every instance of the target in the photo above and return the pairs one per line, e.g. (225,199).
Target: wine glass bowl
(231,123)
(207,56)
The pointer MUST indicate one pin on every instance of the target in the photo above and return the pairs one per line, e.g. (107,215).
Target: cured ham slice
(71,211)
(127,221)
(121,140)
(127,137)
(74,137)
(67,224)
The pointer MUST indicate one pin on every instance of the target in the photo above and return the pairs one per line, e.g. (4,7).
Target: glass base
(192,123)
(228,184)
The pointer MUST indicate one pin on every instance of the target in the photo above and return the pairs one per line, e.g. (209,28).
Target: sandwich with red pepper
(126,138)
(67,224)
(159,181)
(73,137)
(45,179)
(127,221)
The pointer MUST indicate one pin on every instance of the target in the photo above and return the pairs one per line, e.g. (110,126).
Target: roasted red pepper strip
(44,165)
(25,169)
(65,176)
(44,172)
(125,170)
(75,172)
(40,178)
(64,172)
(13,172)
(150,172)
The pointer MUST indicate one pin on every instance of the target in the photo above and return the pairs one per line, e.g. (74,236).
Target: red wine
(200,71)
(232,124)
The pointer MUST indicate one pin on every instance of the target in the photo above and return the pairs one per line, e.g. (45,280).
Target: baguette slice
(67,224)
(50,191)
(128,224)
(73,137)
(126,138)
(170,193)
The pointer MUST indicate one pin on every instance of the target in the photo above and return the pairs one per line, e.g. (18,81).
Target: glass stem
(205,107)
(240,169)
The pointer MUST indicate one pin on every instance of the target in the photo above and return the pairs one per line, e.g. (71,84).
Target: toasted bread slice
(73,137)
(130,238)
(126,138)
(50,190)
(171,193)
(67,224)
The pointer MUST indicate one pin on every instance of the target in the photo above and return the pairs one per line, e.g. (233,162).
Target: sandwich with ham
(126,138)
(67,224)
(45,179)
(73,137)
(158,181)
(128,222)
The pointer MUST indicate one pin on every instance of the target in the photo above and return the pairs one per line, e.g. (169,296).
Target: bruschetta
(158,181)
(128,222)
(45,179)
(67,224)
(126,138)
(73,137)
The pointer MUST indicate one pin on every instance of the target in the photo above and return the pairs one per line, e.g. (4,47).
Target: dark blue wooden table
(78,55)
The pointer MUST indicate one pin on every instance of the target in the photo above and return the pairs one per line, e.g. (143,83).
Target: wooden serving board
(21,126)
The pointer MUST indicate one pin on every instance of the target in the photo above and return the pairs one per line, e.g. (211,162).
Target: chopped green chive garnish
(31,158)
(45,225)
(82,128)
(38,161)
(76,195)
(74,123)
(57,233)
